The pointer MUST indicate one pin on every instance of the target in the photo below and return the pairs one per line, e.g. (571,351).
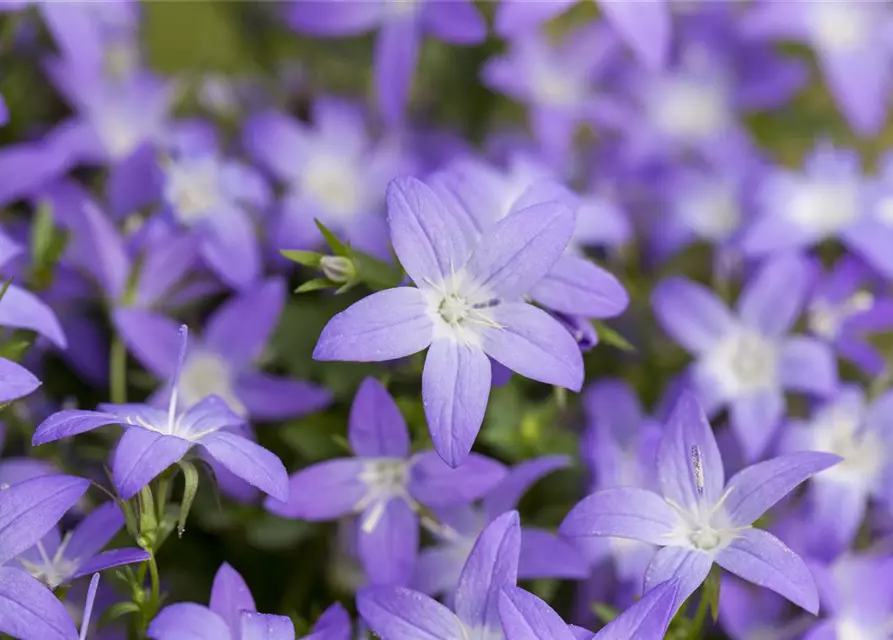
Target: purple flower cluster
(659,206)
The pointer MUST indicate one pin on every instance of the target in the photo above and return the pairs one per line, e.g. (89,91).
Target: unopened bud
(337,268)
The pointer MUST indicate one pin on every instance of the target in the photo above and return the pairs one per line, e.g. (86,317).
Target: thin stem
(118,371)
(156,584)
(700,615)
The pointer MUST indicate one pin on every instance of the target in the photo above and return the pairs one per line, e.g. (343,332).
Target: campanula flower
(385,485)
(398,613)
(332,170)
(398,44)
(526,617)
(466,305)
(698,519)
(745,361)
(231,615)
(154,439)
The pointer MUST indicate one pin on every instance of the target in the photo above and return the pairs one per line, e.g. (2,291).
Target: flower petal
(429,240)
(531,342)
(30,610)
(248,460)
(808,365)
(94,532)
(773,299)
(690,567)
(547,555)
(455,389)
(271,398)
(436,484)
(376,427)
(521,477)
(577,286)
(63,424)
(526,617)
(152,338)
(755,418)
(492,566)
(644,25)
(396,612)
(387,325)
(21,309)
(389,542)
(692,314)
(455,22)
(625,512)
(230,595)
(396,57)
(265,626)
(141,455)
(755,489)
(761,558)
(323,491)
(241,327)
(15,381)
(230,246)
(647,619)
(188,621)
(514,17)
(515,253)
(110,559)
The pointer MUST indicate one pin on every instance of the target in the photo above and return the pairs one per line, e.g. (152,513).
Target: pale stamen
(175,381)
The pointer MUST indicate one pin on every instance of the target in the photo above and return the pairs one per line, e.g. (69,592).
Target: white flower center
(744,362)
(826,319)
(118,134)
(193,188)
(839,27)
(459,309)
(334,184)
(713,213)
(206,373)
(703,526)
(454,309)
(52,571)
(825,207)
(385,479)
(554,86)
(862,451)
(705,538)
(402,8)
(690,110)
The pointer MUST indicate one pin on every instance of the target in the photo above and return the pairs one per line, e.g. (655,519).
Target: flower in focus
(698,519)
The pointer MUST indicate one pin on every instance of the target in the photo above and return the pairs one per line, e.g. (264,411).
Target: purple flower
(397,46)
(748,613)
(223,362)
(746,362)
(857,431)
(57,560)
(543,554)
(398,613)
(467,305)
(526,617)
(698,519)
(15,381)
(29,510)
(232,615)
(384,485)
(155,439)
(332,170)
(645,26)
(850,41)
(847,305)
(213,195)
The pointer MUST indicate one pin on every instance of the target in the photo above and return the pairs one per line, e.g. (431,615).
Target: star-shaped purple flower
(745,361)
(467,305)
(698,519)
(154,439)
(385,485)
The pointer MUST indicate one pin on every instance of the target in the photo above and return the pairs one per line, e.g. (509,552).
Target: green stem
(697,623)
(118,371)
(156,584)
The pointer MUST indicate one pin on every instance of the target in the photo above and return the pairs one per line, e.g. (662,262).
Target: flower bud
(338,268)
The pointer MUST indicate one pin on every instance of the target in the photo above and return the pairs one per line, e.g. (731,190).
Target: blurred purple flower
(698,519)
(859,432)
(384,485)
(746,360)
(155,439)
(851,41)
(645,25)
(543,554)
(28,510)
(749,613)
(4,112)
(332,170)
(526,617)
(232,615)
(57,560)
(398,43)
(398,613)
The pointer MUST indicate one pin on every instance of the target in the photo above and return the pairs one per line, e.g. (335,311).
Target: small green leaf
(42,231)
(611,337)
(315,285)
(306,258)
(190,488)
(338,247)
(118,610)
(605,612)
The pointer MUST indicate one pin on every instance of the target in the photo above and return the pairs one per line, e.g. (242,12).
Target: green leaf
(306,258)
(338,247)
(118,610)
(375,273)
(315,285)
(42,230)
(148,520)
(190,488)
(14,350)
(611,337)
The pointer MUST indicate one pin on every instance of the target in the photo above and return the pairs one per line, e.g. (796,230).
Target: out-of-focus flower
(645,26)
(154,439)
(851,41)
(467,305)
(400,27)
(524,617)
(231,615)
(698,519)
(746,360)
(57,560)
(398,613)
(858,431)
(385,485)
(333,171)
